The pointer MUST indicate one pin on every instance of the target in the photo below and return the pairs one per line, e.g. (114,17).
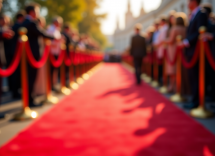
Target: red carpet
(110,116)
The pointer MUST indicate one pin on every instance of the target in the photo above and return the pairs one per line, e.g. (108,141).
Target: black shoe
(32,105)
(191,106)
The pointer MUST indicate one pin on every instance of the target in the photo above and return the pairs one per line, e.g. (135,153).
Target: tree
(90,23)
(69,10)
(79,13)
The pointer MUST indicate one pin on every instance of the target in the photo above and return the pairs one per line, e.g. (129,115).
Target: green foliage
(79,13)
(91,22)
(69,10)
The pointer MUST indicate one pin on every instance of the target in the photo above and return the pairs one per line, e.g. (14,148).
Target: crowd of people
(163,36)
(37,32)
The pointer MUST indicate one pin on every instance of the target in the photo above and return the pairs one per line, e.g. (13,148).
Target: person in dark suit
(5,35)
(34,32)
(198,18)
(138,51)
(14,79)
(210,73)
(68,42)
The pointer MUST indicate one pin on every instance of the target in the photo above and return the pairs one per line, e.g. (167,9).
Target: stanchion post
(26,113)
(78,69)
(178,97)
(64,89)
(72,82)
(155,72)
(49,97)
(201,112)
(164,89)
(85,74)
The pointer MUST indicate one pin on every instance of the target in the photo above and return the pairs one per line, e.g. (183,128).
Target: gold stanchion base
(201,112)
(146,78)
(163,90)
(74,85)
(52,99)
(155,84)
(90,73)
(177,98)
(80,81)
(65,91)
(26,114)
(85,76)
(143,76)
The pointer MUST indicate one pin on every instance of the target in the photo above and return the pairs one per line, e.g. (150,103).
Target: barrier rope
(169,61)
(13,66)
(34,63)
(209,55)
(57,63)
(68,60)
(193,60)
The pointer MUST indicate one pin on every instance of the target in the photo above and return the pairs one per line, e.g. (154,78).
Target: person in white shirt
(162,36)
(54,29)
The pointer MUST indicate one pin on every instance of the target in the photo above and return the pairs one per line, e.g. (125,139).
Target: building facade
(121,38)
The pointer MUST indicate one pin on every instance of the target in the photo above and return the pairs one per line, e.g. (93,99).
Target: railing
(202,51)
(79,61)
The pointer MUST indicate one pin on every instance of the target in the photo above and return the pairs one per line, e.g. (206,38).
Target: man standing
(34,32)
(138,51)
(14,79)
(162,36)
(198,18)
(54,30)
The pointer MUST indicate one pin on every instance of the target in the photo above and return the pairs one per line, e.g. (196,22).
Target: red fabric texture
(68,59)
(57,63)
(110,116)
(16,60)
(34,63)
(193,60)
(169,61)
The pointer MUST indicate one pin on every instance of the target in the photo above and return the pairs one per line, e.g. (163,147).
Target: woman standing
(40,84)
(178,28)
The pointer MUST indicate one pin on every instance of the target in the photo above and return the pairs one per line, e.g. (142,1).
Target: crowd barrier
(151,61)
(78,62)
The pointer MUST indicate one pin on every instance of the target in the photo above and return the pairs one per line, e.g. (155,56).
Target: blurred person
(212,18)
(178,29)
(68,42)
(66,34)
(14,80)
(54,29)
(149,42)
(40,82)
(160,46)
(81,43)
(210,73)
(138,51)
(34,32)
(171,50)
(197,18)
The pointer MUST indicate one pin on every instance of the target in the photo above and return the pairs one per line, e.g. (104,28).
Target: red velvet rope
(194,59)
(68,60)
(159,61)
(172,63)
(57,63)
(31,59)
(13,66)
(209,55)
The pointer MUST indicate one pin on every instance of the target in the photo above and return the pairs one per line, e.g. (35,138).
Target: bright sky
(117,9)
